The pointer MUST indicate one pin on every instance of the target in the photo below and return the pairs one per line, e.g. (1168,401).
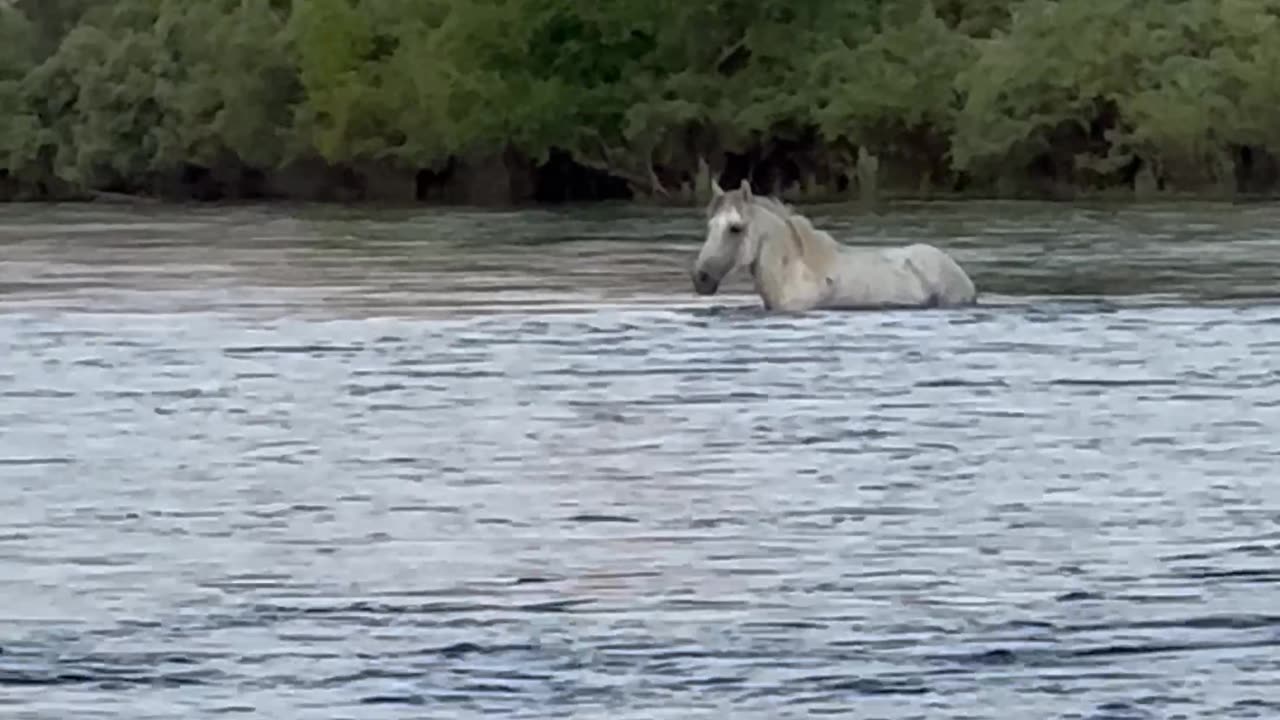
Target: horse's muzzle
(704,283)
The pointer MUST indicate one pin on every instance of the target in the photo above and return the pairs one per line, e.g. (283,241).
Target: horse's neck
(774,246)
(775,235)
(785,242)
(778,254)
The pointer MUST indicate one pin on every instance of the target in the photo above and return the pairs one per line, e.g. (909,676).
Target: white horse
(798,267)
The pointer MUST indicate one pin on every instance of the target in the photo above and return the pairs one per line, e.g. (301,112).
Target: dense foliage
(136,95)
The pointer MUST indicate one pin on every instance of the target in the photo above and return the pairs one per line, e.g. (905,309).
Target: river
(306,462)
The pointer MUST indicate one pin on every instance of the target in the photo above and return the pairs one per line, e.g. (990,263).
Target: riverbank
(519,183)
(884,199)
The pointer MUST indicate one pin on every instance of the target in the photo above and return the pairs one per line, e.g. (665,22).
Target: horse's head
(728,245)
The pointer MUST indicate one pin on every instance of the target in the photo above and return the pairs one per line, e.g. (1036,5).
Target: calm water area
(306,462)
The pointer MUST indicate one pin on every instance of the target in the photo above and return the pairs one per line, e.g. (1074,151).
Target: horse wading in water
(798,267)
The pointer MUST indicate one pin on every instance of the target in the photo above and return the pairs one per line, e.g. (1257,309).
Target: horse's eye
(736,228)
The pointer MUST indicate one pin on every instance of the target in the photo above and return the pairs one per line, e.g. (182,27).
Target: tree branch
(646,180)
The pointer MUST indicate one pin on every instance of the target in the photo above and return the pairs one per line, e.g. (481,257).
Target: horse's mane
(817,247)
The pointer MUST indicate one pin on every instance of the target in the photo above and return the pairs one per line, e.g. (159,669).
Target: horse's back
(948,282)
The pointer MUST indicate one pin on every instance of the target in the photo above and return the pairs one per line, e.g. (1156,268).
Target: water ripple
(251,465)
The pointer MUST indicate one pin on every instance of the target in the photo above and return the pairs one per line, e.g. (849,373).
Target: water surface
(318,463)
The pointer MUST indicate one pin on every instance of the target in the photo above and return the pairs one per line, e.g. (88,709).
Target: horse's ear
(746,189)
(716,190)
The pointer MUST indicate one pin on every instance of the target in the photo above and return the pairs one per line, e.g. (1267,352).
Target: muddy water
(318,463)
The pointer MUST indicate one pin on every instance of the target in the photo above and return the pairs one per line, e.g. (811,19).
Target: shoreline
(1118,198)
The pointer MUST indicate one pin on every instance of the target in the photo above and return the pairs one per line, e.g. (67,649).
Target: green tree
(126,93)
